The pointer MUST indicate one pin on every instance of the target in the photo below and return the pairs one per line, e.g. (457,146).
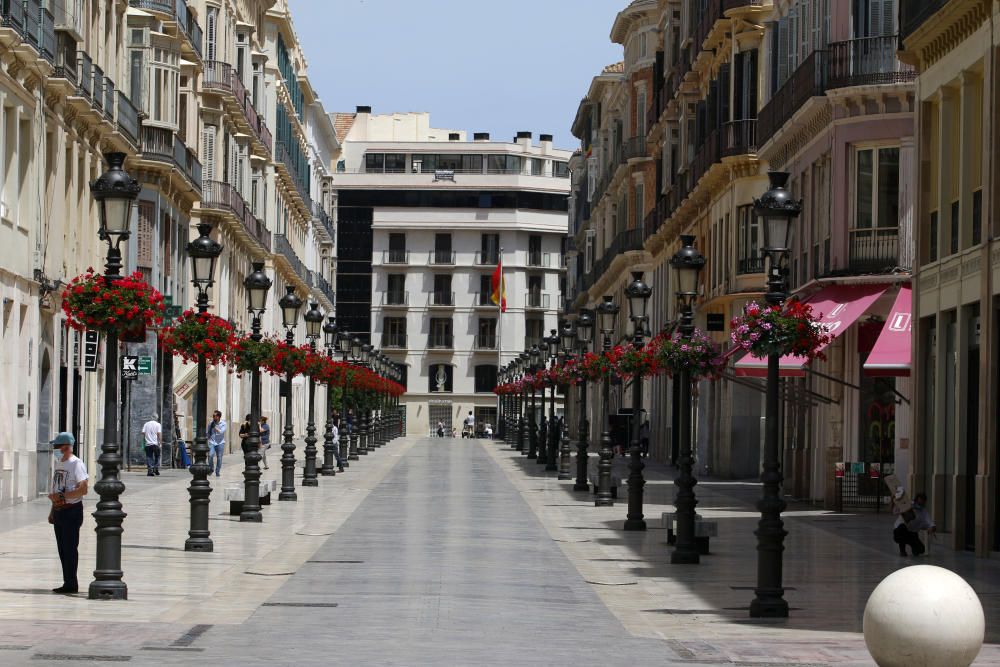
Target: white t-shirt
(336,433)
(151,430)
(67,476)
(470,421)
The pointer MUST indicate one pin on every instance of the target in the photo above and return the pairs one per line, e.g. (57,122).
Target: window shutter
(211,30)
(233,163)
(144,235)
(208,151)
(782,53)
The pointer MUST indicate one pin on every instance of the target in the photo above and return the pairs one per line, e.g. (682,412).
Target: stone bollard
(924,616)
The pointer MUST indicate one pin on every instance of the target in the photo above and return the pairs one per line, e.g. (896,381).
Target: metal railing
(324,286)
(809,80)
(128,123)
(634,148)
(84,75)
(109,98)
(441,257)
(535,257)
(282,156)
(161,144)
(485,299)
(32,27)
(396,298)
(869,61)
(221,76)
(12,12)
(441,299)
(47,35)
(325,220)
(485,342)
(874,250)
(223,196)
(739,137)
(441,342)
(395,341)
(537,300)
(395,256)
(97,98)
(748,265)
(488,258)
(284,248)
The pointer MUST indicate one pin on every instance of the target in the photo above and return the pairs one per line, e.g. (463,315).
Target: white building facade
(424,216)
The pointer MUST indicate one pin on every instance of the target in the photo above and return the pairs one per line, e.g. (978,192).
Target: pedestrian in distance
(245,434)
(216,433)
(909,523)
(69,486)
(152,432)
(336,444)
(488,431)
(469,426)
(440,429)
(265,440)
(644,437)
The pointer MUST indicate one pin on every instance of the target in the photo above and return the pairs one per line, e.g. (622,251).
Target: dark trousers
(152,457)
(66,523)
(904,537)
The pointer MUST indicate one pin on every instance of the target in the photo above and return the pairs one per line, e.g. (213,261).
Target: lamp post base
(201,545)
(769,604)
(108,590)
(635,524)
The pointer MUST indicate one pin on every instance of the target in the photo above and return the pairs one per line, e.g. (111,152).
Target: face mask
(58,456)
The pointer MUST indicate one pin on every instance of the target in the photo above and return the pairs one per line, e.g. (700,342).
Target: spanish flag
(499,287)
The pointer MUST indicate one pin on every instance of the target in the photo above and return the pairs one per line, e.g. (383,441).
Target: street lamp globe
(585,327)
(356,348)
(344,342)
(608,311)
(290,305)
(536,355)
(777,209)
(687,264)
(115,192)
(203,251)
(257,285)
(314,321)
(330,333)
(552,343)
(637,292)
(567,335)
(366,354)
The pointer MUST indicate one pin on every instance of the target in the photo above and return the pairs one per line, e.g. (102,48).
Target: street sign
(91,344)
(130,367)
(145,365)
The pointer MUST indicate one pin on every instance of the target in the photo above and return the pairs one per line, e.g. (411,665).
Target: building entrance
(440,412)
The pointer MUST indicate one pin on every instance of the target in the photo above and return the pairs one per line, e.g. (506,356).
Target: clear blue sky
(496,66)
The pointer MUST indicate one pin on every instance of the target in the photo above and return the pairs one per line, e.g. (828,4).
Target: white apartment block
(423,217)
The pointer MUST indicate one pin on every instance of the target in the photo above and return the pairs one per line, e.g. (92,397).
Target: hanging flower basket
(289,359)
(630,361)
(699,355)
(196,336)
(565,374)
(594,367)
(765,330)
(123,307)
(248,355)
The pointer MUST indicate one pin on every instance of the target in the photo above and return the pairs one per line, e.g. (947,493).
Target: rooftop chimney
(454,136)
(481,136)
(545,137)
(364,109)
(523,135)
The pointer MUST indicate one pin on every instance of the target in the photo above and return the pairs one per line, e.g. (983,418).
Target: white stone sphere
(924,616)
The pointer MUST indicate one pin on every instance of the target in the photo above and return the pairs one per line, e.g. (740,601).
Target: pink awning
(837,307)
(892,353)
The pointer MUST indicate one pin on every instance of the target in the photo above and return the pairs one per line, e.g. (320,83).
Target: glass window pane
(863,216)
(888,187)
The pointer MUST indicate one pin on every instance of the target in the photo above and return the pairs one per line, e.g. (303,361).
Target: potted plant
(124,306)
(197,335)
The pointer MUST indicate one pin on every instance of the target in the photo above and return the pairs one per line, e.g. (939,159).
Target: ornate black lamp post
(567,337)
(290,305)
(203,252)
(607,311)
(115,192)
(365,444)
(535,355)
(637,293)
(584,339)
(552,458)
(344,347)
(330,343)
(687,264)
(357,446)
(524,440)
(257,285)
(777,210)
(314,326)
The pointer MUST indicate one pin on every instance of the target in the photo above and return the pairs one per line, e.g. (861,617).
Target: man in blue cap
(69,486)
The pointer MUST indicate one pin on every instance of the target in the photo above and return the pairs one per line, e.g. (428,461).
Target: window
(485,290)
(443,296)
(877,178)
(440,378)
(397,248)
(537,166)
(211,33)
(977,217)
(534,330)
(750,241)
(640,204)
(490,249)
(534,250)
(395,163)
(394,332)
(486,338)
(442,249)
(504,164)
(396,290)
(441,333)
(640,115)
(374,162)
(953,245)
(560,169)
(933,237)
(486,378)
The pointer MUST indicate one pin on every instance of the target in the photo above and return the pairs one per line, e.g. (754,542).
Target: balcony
(488,258)
(162,145)
(324,219)
(323,285)
(874,250)
(626,241)
(441,342)
(485,300)
(393,341)
(84,75)
(441,299)
(485,342)
(284,249)
(870,61)
(634,149)
(396,256)
(807,81)
(441,257)
(12,12)
(220,76)
(176,10)
(655,218)
(283,159)
(537,300)
(749,265)
(397,298)
(539,259)
(128,125)
(739,137)
(221,196)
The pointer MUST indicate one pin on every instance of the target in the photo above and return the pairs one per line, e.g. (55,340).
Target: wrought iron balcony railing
(807,81)
(441,342)
(486,342)
(445,257)
(163,145)
(394,341)
(739,137)
(396,256)
(396,298)
(874,250)
(284,248)
(442,299)
(748,265)
(220,195)
(867,62)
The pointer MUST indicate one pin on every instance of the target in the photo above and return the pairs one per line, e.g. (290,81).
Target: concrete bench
(593,475)
(235,495)
(703,530)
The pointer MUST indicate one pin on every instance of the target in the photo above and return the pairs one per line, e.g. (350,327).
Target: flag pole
(500,328)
